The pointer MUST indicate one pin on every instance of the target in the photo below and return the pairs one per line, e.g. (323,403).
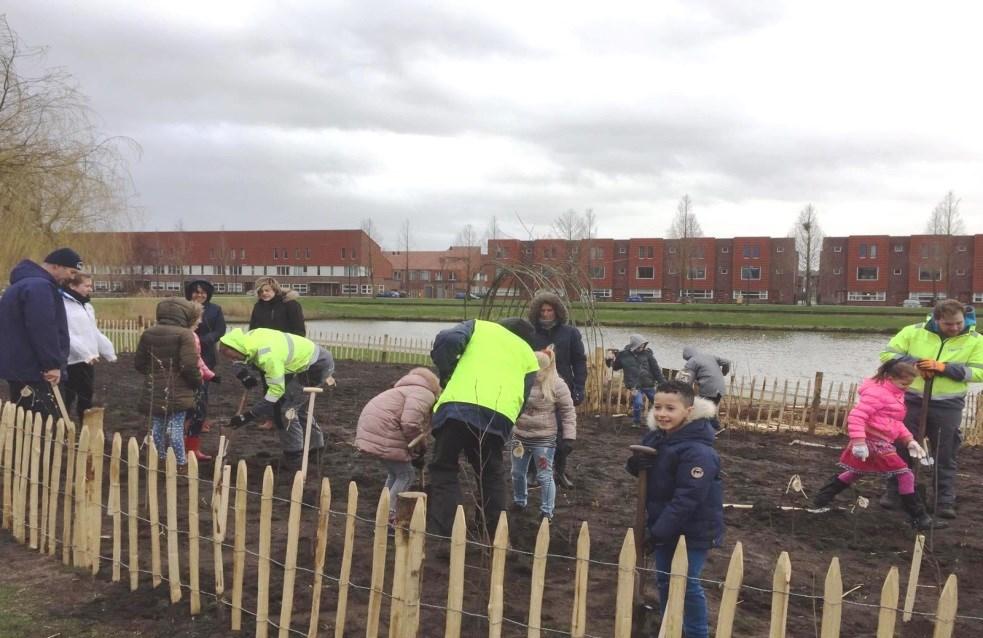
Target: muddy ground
(757,466)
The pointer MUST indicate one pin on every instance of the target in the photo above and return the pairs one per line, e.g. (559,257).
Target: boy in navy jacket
(685,493)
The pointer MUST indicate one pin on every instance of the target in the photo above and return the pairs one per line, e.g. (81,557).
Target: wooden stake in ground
(312,393)
(916,568)
(641,495)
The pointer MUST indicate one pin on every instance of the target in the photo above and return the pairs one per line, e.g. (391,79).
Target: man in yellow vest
(487,370)
(947,349)
(287,363)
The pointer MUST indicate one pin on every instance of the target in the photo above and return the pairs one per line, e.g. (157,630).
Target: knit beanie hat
(65,257)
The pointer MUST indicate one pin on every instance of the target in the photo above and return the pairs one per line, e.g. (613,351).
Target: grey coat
(707,370)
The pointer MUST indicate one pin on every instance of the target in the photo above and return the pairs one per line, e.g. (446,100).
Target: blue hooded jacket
(685,491)
(33,325)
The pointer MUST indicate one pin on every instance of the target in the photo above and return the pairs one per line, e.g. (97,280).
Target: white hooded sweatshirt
(86,343)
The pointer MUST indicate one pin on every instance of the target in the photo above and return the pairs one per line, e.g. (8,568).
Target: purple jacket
(33,325)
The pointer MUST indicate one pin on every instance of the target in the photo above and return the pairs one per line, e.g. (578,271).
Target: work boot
(192,445)
(828,492)
(920,519)
(945,510)
(563,480)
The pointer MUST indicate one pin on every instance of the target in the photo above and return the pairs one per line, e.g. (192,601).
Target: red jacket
(394,418)
(879,413)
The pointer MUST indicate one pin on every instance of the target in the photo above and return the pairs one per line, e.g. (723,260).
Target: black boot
(920,519)
(828,492)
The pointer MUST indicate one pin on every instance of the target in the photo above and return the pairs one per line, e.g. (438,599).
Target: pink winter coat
(206,372)
(394,418)
(879,413)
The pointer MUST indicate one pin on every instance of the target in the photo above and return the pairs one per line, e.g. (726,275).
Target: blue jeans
(544,472)
(172,426)
(401,476)
(636,403)
(695,603)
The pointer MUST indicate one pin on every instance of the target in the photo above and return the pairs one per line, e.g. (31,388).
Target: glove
(578,396)
(638,462)
(246,378)
(240,420)
(916,451)
(928,368)
(566,447)
(860,450)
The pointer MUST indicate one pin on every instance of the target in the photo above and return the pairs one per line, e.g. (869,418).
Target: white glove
(916,451)
(861,451)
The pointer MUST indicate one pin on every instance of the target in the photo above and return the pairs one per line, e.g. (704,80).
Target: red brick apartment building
(314,262)
(703,269)
(439,274)
(886,271)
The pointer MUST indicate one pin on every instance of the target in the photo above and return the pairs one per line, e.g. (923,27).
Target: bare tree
(685,229)
(945,222)
(371,235)
(808,243)
(577,231)
(404,243)
(58,177)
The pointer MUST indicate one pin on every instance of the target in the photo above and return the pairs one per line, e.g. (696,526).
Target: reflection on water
(772,353)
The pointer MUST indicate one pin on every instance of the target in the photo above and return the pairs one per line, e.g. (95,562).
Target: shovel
(640,516)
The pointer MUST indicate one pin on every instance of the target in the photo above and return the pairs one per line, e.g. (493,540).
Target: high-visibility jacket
(491,372)
(962,356)
(275,353)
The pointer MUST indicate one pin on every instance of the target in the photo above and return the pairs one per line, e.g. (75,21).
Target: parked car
(388,293)
(461,295)
(634,299)
(911,303)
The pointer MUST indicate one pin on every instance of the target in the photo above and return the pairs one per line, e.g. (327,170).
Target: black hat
(520,328)
(65,257)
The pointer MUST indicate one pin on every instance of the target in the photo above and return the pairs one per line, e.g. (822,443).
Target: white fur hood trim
(702,409)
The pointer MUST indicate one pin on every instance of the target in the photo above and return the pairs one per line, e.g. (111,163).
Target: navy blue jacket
(33,325)
(568,344)
(685,492)
(212,327)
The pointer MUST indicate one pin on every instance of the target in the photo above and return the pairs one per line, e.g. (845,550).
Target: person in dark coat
(641,373)
(277,309)
(684,492)
(167,357)
(34,341)
(548,315)
(209,331)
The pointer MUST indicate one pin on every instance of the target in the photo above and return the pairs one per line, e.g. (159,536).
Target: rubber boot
(828,492)
(920,519)
(192,445)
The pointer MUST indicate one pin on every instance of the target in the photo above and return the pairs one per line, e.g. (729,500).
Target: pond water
(772,353)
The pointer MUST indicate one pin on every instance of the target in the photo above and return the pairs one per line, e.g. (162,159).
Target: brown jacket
(394,418)
(167,358)
(538,418)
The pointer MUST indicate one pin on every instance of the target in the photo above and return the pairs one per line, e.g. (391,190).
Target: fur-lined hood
(546,297)
(702,409)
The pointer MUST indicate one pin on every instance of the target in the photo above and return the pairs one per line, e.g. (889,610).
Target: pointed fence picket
(33,453)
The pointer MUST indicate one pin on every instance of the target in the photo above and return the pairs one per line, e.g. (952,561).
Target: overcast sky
(296,114)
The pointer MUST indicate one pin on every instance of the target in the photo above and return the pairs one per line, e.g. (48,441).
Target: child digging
(874,425)
(166,357)
(390,421)
(685,493)
(535,434)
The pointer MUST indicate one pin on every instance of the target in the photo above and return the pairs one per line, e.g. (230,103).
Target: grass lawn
(711,316)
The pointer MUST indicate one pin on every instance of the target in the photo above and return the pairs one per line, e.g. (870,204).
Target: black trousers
(483,452)
(79,387)
(34,396)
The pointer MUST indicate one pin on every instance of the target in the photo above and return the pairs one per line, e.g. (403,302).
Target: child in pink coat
(875,424)
(192,438)
(391,420)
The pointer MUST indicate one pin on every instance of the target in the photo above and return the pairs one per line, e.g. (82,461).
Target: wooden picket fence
(36,489)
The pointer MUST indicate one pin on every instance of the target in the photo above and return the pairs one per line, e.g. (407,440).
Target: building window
(307,253)
(596,252)
(602,293)
(779,249)
(837,271)
(242,254)
(960,273)
(929,274)
(500,252)
(898,248)
(646,293)
(452,276)
(752,252)
(837,249)
(276,254)
(597,272)
(723,271)
(749,273)
(867,274)
(697,273)
(672,250)
(354,253)
(978,297)
(866,296)
(779,271)
(646,252)
(344,253)
(725,250)
(645,272)
(622,250)
(549,253)
(897,272)
(621,270)
(696,294)
(961,248)
(750,294)
(868,251)
(282,271)
(438,275)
